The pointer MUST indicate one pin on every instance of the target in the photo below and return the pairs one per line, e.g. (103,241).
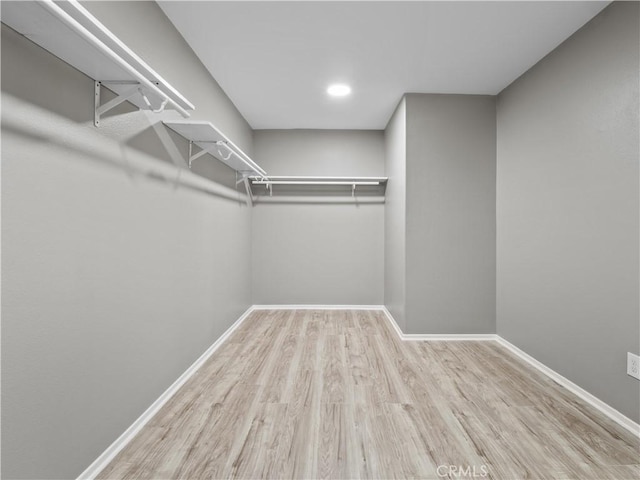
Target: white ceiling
(275,59)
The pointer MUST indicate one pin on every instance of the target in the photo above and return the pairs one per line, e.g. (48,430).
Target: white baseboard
(604,408)
(393,322)
(318,307)
(419,337)
(595,402)
(416,337)
(103,460)
(592,400)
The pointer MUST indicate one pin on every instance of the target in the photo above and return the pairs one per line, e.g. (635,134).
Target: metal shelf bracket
(208,147)
(111,104)
(135,88)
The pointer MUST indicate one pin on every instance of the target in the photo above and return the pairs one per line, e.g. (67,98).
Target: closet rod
(319,178)
(89,37)
(243,157)
(18,116)
(308,182)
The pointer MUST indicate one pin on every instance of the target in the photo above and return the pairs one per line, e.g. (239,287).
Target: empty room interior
(320,239)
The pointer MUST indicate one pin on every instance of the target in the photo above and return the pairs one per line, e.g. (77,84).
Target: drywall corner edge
(418,337)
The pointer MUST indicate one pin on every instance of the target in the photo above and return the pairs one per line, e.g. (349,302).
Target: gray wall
(450,214)
(318,253)
(147,31)
(395,137)
(567,208)
(112,283)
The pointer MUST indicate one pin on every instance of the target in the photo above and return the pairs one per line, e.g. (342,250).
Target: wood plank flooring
(335,394)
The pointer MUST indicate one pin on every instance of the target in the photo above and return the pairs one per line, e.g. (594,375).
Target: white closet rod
(244,158)
(18,116)
(310,182)
(128,51)
(318,200)
(89,37)
(349,180)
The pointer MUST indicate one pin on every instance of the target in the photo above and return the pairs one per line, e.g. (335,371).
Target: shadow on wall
(17,118)
(70,94)
(33,74)
(66,91)
(217,171)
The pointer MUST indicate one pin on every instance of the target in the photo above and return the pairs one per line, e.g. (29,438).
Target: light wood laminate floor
(336,394)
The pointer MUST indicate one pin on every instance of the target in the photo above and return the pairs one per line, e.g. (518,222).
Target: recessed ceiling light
(339,90)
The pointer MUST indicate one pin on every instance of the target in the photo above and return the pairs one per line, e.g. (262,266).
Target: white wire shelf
(71,33)
(211,140)
(310,185)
